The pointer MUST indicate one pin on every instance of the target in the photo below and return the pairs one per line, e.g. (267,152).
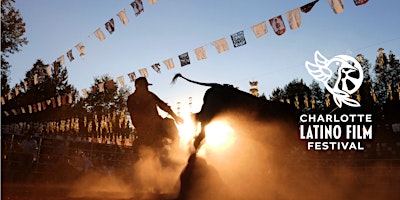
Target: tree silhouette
(12,31)
(38,86)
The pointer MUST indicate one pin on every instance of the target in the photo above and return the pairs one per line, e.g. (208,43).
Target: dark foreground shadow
(201,181)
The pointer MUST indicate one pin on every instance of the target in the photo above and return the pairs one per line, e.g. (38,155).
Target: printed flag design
(221,45)
(132,76)
(143,72)
(156,67)
(260,29)
(70,56)
(110,26)
(200,53)
(294,18)
(337,6)
(238,39)
(99,34)
(137,6)
(184,58)
(307,8)
(122,16)
(360,2)
(278,25)
(169,63)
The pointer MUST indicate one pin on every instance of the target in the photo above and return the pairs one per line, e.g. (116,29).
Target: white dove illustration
(320,71)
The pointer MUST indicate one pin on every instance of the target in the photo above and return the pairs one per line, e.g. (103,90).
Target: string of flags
(238,39)
(54,102)
(98,129)
(221,45)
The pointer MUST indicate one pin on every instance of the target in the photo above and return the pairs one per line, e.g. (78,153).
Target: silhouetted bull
(225,98)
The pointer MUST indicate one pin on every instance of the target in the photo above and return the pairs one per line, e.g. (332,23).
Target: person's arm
(164,106)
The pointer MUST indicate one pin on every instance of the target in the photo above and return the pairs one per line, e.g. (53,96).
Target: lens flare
(219,135)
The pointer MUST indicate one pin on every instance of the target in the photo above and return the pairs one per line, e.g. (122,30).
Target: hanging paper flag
(122,16)
(30,108)
(184,58)
(238,39)
(152,2)
(221,45)
(53,103)
(85,93)
(360,2)
(99,34)
(307,8)
(143,72)
(110,84)
(34,108)
(64,100)
(55,66)
(121,80)
(156,67)
(94,90)
(3,101)
(81,50)
(70,56)
(101,87)
(278,25)
(61,60)
(39,106)
(260,29)
(110,26)
(23,110)
(59,101)
(137,6)
(201,53)
(132,76)
(337,6)
(43,105)
(294,18)
(35,79)
(48,70)
(169,63)
(48,102)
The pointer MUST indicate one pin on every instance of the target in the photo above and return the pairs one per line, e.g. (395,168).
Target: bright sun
(219,134)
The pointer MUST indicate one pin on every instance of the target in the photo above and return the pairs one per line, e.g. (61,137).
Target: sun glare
(187,130)
(219,135)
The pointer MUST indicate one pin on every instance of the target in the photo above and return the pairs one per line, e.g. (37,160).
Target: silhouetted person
(150,126)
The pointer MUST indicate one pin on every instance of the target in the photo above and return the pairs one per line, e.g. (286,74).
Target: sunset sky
(173,27)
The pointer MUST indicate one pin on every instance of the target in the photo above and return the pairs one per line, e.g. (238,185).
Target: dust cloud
(150,178)
(267,161)
(264,160)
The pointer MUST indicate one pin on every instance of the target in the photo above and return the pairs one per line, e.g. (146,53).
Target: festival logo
(349,79)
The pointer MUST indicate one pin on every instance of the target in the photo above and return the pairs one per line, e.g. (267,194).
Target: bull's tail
(199,83)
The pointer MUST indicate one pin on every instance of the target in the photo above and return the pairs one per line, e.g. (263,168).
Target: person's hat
(142,81)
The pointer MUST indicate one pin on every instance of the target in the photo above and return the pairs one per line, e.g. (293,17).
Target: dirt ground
(14,191)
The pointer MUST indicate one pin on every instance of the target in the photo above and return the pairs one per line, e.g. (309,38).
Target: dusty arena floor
(13,191)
